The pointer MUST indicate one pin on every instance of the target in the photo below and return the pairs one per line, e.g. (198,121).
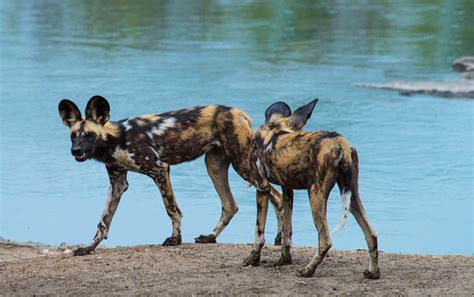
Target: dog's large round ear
(69,112)
(277,111)
(98,110)
(299,118)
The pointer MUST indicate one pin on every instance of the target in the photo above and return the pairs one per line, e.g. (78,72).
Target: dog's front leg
(162,180)
(285,258)
(277,201)
(118,185)
(262,209)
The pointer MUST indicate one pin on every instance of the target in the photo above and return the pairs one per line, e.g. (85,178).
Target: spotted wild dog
(150,144)
(282,153)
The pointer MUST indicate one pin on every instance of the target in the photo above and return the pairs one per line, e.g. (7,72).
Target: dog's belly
(184,151)
(289,179)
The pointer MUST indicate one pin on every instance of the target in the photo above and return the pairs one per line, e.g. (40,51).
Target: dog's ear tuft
(277,111)
(299,118)
(69,112)
(98,110)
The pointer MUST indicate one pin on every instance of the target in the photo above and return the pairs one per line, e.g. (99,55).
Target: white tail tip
(346,204)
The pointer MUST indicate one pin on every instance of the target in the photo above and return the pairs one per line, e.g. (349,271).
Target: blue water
(416,153)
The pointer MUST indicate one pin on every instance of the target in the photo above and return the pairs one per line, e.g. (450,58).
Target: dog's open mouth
(81,157)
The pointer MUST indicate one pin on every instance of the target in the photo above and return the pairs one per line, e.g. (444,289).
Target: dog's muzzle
(78,154)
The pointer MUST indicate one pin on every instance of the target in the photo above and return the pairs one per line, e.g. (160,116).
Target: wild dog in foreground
(150,144)
(281,153)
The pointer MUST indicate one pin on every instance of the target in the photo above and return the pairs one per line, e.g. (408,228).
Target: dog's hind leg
(118,185)
(262,209)
(358,211)
(217,165)
(324,181)
(162,180)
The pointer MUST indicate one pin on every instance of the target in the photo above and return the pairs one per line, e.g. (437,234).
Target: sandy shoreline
(216,269)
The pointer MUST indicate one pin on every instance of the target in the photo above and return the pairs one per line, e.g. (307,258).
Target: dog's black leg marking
(118,185)
(82,251)
(253,259)
(205,239)
(161,176)
(278,239)
(172,240)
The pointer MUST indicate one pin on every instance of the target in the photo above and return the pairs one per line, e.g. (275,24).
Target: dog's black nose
(75,150)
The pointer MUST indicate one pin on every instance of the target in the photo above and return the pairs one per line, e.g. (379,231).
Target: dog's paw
(172,241)
(284,260)
(82,251)
(372,275)
(253,259)
(205,239)
(306,272)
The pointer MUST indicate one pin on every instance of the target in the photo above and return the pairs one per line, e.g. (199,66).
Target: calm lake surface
(416,153)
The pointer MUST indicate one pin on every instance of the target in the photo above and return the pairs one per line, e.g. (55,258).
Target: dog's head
(278,116)
(86,134)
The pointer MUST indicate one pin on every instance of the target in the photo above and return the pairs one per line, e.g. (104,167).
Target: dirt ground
(198,269)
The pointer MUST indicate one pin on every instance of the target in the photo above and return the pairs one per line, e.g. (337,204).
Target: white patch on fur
(336,163)
(263,170)
(259,239)
(158,161)
(211,145)
(161,128)
(260,168)
(160,150)
(275,117)
(127,125)
(346,204)
(124,158)
(268,171)
(269,147)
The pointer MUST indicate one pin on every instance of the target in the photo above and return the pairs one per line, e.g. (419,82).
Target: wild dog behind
(282,153)
(150,144)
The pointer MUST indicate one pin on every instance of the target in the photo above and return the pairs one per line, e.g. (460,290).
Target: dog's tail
(346,202)
(344,181)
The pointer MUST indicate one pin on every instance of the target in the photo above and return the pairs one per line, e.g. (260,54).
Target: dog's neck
(106,145)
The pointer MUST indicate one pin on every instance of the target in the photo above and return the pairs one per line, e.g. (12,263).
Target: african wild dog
(281,153)
(150,144)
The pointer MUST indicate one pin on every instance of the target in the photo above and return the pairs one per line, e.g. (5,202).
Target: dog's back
(184,135)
